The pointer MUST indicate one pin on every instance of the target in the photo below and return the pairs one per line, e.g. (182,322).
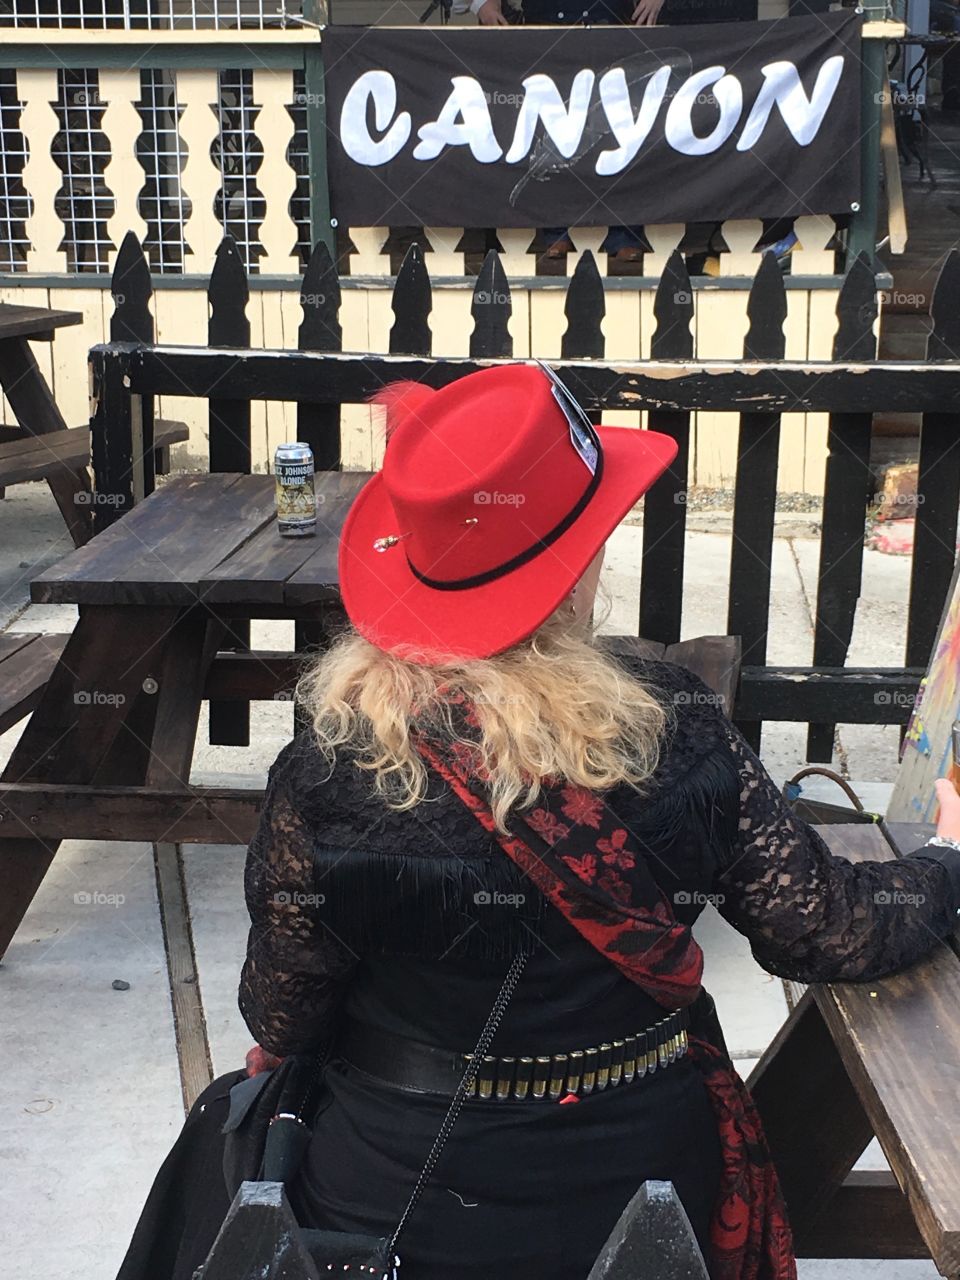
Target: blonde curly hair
(554,707)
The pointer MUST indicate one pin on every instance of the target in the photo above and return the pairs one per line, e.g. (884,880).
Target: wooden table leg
(87,702)
(36,410)
(186,662)
(814,1121)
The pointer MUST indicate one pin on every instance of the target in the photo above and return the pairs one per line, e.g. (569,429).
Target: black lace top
(409,918)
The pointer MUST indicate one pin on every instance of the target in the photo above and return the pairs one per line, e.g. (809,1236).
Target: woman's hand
(647,12)
(259,1060)
(491,15)
(948,821)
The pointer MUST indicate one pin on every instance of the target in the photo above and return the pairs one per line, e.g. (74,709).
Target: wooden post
(322,225)
(131,289)
(665,506)
(846,494)
(862,234)
(755,491)
(230,449)
(938,483)
(259,1238)
(112,433)
(653,1240)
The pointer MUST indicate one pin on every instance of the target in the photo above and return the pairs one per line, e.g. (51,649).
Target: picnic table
(107,751)
(41,446)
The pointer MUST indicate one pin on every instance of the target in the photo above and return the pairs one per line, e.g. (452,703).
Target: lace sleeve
(296,967)
(815,917)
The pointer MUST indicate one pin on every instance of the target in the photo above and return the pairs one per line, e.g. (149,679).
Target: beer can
(296,496)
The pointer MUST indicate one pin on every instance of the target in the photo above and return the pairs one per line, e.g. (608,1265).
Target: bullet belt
(420,1068)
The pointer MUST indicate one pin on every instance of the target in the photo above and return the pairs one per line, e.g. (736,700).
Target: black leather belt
(423,1068)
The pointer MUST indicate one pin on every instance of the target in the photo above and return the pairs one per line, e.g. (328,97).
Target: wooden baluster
(491,309)
(229,426)
(200,180)
(277,181)
(938,483)
(846,495)
(123,174)
(664,507)
(755,491)
(42,176)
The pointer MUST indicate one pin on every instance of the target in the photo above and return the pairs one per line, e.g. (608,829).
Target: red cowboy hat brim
(394,610)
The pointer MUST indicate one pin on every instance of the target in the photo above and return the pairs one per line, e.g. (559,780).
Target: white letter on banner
(629,132)
(542,101)
(473,129)
(679,127)
(802,116)
(354,135)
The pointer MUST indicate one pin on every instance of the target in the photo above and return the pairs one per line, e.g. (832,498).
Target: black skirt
(522,1190)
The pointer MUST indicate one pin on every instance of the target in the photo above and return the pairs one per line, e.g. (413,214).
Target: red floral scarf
(588,867)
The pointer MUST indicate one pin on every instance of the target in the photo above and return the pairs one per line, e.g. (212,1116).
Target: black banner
(590,126)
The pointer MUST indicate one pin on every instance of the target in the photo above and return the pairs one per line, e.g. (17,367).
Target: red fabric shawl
(590,871)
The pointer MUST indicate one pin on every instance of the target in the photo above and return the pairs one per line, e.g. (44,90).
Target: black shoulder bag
(269,1129)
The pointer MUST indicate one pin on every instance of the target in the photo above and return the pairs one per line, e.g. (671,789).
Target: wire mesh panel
(15,203)
(82,151)
(238,154)
(133,15)
(160,149)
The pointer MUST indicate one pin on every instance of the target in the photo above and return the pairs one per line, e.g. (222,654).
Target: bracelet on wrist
(945,842)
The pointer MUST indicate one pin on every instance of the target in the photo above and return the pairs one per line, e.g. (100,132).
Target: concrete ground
(90,1089)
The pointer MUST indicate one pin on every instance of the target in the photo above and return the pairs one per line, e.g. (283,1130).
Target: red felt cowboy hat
(495,494)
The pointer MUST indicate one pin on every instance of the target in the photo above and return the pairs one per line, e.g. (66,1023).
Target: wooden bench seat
(27,661)
(37,457)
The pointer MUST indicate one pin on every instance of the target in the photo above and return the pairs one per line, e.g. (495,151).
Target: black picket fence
(130,370)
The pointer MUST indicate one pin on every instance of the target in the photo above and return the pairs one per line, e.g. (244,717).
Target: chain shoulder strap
(494,1019)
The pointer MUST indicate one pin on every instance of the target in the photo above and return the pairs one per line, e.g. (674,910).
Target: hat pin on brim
(391,539)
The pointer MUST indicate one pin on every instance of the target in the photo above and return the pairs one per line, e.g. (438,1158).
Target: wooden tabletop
(37,323)
(210,538)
